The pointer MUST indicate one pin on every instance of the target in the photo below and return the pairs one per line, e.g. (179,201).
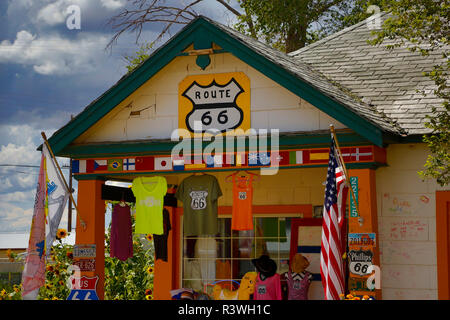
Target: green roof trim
(202,32)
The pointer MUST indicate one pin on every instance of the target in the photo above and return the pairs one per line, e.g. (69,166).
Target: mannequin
(297,279)
(268,285)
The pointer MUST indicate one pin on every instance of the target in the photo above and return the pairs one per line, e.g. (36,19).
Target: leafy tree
(423,25)
(285,24)
(139,56)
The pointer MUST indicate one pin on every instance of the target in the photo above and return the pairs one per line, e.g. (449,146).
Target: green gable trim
(208,33)
(165,147)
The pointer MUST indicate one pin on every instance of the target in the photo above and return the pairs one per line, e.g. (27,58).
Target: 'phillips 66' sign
(216,101)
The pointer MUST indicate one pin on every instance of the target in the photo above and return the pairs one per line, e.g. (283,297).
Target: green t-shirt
(199,195)
(149,193)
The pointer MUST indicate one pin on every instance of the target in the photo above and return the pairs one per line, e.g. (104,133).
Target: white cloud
(112,4)
(54,55)
(15,218)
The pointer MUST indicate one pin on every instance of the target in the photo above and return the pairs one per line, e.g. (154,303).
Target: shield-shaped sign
(214,106)
(83,288)
(214,103)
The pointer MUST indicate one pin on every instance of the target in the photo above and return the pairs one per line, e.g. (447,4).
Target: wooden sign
(84,251)
(216,101)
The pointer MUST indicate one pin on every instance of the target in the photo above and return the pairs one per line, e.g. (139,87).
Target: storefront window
(227,256)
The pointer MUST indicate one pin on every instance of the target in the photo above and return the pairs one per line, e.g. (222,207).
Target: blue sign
(80,294)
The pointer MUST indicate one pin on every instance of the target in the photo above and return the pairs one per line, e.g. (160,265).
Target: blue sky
(47,74)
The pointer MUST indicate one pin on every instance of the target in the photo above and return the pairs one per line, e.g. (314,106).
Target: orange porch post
(92,208)
(367,222)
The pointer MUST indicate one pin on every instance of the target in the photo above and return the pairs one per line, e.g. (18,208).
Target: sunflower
(148,292)
(48,285)
(3,292)
(61,233)
(149,297)
(69,255)
(50,268)
(16,288)
(149,237)
(150,270)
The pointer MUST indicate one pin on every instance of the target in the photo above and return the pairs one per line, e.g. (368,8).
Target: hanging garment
(160,241)
(206,253)
(268,289)
(242,217)
(149,193)
(199,195)
(298,284)
(121,242)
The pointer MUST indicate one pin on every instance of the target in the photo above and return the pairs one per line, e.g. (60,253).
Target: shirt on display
(199,195)
(242,218)
(268,289)
(121,243)
(149,193)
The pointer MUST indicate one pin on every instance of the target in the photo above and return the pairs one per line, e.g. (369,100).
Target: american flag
(331,264)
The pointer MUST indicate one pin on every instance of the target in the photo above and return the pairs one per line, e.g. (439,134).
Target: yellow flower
(149,297)
(366,297)
(48,285)
(55,298)
(3,292)
(61,234)
(16,288)
(349,296)
(149,237)
(150,270)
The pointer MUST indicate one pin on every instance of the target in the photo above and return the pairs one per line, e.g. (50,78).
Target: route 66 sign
(216,101)
(83,288)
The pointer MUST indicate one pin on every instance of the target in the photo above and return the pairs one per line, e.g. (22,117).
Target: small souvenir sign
(361,239)
(84,251)
(360,261)
(353,205)
(85,264)
(83,288)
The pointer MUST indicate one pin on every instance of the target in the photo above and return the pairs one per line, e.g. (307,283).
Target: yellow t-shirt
(149,193)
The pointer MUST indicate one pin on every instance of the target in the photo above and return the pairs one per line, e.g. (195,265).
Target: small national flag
(82,166)
(318,155)
(145,163)
(296,157)
(240,159)
(280,158)
(178,164)
(100,165)
(214,161)
(259,158)
(129,164)
(163,163)
(115,164)
(331,264)
(357,154)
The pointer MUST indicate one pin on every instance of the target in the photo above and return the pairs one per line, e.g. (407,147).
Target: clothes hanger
(122,202)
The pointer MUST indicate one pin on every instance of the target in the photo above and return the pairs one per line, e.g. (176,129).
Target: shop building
(367,93)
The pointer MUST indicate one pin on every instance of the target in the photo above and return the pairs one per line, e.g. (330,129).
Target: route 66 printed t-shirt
(199,195)
(149,193)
